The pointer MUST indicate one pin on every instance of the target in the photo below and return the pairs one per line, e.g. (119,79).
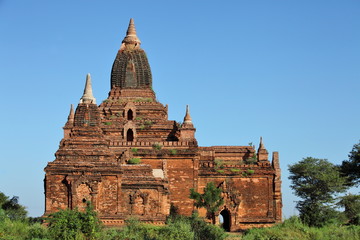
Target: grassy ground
(293,229)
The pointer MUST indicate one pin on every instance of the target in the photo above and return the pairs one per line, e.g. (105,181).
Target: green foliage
(235,170)
(210,200)
(178,229)
(73,224)
(138,118)
(157,146)
(143,100)
(316,181)
(251,160)
(134,161)
(107,123)
(204,231)
(351,168)
(173,151)
(250,171)
(37,231)
(14,229)
(219,163)
(134,150)
(148,123)
(351,204)
(11,207)
(293,228)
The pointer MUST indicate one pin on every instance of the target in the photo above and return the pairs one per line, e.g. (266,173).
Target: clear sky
(285,70)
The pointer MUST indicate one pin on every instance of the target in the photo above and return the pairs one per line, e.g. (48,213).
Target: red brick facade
(95,160)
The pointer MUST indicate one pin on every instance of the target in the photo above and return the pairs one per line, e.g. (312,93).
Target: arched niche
(130,114)
(130,135)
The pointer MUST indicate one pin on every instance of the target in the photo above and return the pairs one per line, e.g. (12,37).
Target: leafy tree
(351,203)
(316,181)
(351,168)
(73,224)
(12,208)
(211,200)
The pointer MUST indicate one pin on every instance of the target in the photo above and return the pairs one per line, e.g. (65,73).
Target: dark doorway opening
(225,214)
(130,115)
(130,135)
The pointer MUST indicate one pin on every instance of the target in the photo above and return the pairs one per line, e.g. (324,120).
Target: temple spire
(88,95)
(131,37)
(187,130)
(71,114)
(261,145)
(187,118)
(262,154)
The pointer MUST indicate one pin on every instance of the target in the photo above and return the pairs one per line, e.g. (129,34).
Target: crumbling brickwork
(127,159)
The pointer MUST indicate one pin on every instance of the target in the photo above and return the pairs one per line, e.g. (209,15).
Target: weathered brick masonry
(94,159)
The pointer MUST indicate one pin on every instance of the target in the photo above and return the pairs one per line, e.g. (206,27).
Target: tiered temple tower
(128,159)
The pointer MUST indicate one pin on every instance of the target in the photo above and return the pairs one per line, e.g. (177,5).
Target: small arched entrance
(130,135)
(225,217)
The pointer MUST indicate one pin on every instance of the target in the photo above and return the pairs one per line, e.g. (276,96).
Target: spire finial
(131,37)
(71,114)
(88,95)
(261,145)
(187,118)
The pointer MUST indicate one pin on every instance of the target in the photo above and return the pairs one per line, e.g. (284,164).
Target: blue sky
(284,70)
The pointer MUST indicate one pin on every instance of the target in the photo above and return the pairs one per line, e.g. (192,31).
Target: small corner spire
(88,95)
(261,145)
(187,118)
(131,37)
(71,114)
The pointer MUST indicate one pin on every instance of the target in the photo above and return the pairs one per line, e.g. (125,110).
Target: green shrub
(72,224)
(107,123)
(157,146)
(205,231)
(134,161)
(143,100)
(148,123)
(219,163)
(250,161)
(134,150)
(250,171)
(177,230)
(37,231)
(235,170)
(13,229)
(173,151)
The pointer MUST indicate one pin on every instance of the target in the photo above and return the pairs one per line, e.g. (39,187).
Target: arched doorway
(130,135)
(225,217)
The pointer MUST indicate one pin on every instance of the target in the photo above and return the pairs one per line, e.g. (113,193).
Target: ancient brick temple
(128,159)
